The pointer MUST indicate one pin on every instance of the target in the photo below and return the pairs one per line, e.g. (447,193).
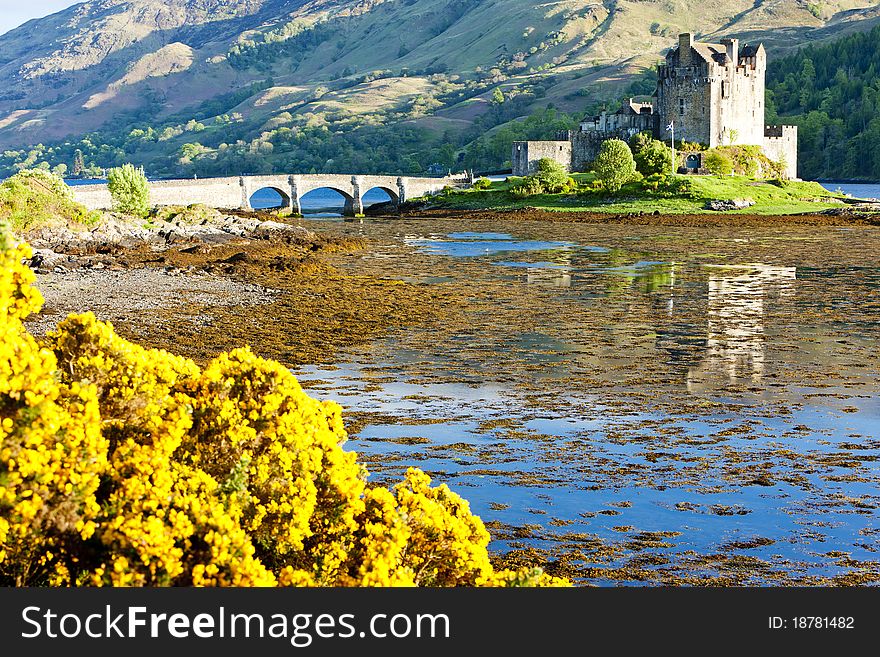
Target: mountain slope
(119,65)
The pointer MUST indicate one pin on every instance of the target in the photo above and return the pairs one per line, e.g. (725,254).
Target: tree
(614,165)
(78,163)
(651,155)
(498,96)
(130,191)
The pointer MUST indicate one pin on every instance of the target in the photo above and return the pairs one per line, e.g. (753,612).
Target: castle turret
(732,49)
(685,43)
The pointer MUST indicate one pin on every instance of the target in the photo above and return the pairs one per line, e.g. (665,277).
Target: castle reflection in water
(732,341)
(735,345)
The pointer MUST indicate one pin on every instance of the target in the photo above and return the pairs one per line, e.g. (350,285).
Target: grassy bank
(681,195)
(36,199)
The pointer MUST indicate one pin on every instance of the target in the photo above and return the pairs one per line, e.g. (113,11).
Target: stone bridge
(236,192)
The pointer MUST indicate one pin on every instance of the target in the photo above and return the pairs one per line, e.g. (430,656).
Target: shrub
(552,176)
(34,198)
(667,186)
(718,163)
(614,165)
(654,182)
(128,466)
(482,184)
(744,160)
(651,155)
(130,191)
(549,178)
(528,186)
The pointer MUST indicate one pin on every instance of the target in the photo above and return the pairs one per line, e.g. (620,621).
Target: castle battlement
(780,131)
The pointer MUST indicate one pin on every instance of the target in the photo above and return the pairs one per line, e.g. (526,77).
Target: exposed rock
(45,260)
(115,234)
(735,204)
(276,230)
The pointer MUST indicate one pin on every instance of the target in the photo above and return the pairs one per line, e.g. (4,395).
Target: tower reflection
(735,349)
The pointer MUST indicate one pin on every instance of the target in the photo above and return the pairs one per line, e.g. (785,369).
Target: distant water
(855,190)
(319,203)
(74,182)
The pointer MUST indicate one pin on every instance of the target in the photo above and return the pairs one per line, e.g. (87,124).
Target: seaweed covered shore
(859,215)
(200,287)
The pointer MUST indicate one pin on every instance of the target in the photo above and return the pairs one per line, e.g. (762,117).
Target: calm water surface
(856,190)
(643,404)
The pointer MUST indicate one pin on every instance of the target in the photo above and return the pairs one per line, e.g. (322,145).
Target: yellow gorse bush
(127,466)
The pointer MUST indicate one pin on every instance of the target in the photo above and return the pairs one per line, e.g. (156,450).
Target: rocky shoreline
(79,270)
(65,248)
(197,282)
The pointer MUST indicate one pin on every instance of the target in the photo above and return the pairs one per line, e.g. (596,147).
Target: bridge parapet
(236,192)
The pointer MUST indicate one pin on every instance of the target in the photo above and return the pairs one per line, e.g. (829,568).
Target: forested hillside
(214,87)
(832,93)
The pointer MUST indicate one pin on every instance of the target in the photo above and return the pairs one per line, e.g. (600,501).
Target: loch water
(639,404)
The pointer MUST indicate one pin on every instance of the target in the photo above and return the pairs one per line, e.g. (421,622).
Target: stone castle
(713,94)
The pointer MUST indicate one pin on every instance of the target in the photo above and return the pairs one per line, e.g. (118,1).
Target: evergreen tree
(79,164)
(832,93)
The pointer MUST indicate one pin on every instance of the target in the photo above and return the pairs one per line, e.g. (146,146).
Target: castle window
(725,89)
(681,106)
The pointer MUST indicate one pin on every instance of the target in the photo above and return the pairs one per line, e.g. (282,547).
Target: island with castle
(709,94)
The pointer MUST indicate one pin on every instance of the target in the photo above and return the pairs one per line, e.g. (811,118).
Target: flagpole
(672,126)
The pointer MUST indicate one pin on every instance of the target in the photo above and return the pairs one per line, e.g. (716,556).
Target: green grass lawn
(770,198)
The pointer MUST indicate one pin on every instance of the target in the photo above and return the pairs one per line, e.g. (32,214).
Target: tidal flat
(634,404)
(622,403)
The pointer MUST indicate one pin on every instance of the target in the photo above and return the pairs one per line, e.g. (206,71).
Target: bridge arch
(370,196)
(315,200)
(229,192)
(262,198)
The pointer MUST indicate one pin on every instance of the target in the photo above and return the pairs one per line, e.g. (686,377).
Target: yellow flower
(127,466)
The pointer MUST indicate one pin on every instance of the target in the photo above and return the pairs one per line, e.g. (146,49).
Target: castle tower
(713,92)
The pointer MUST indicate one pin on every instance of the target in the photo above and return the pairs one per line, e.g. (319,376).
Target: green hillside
(832,93)
(207,87)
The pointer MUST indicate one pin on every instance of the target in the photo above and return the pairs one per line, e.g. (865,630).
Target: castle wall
(585,145)
(738,92)
(525,155)
(618,121)
(684,95)
(717,100)
(780,145)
